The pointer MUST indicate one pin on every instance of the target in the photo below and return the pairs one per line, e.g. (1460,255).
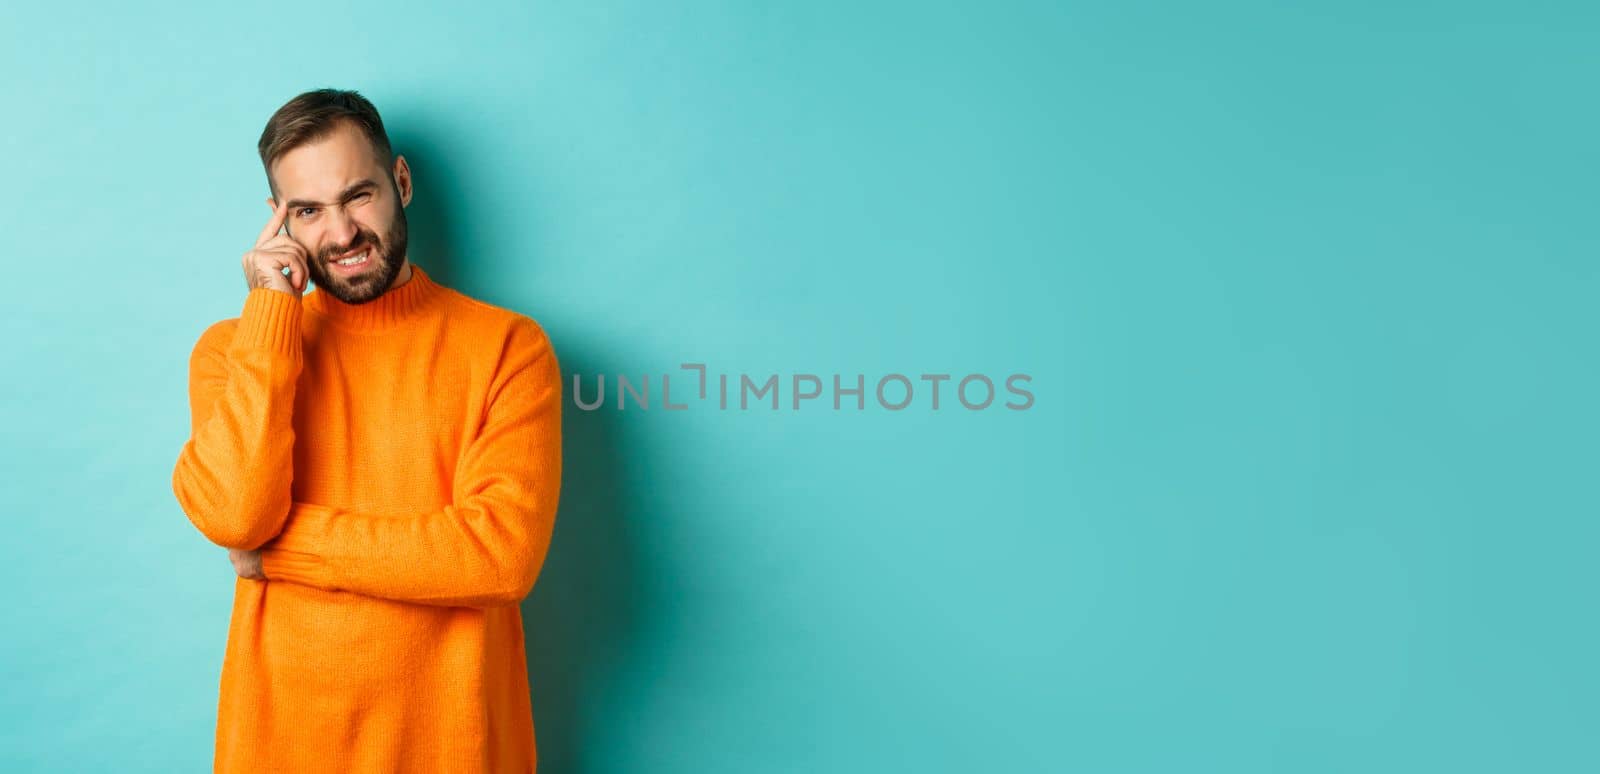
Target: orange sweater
(398,463)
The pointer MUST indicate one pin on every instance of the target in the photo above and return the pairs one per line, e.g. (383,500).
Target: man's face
(343,202)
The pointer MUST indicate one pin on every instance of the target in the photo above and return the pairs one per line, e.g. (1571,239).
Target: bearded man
(382,458)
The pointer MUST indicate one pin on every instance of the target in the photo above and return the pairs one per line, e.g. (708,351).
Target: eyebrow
(295,204)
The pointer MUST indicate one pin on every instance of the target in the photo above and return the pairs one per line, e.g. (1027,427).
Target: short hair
(314,115)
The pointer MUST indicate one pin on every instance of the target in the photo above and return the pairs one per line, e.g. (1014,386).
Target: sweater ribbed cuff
(296,553)
(280,564)
(271,321)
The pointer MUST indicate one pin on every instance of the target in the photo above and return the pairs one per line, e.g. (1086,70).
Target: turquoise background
(1307,291)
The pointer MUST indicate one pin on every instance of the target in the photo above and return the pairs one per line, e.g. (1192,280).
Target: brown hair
(314,115)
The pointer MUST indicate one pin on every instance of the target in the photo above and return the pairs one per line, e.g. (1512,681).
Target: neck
(404,275)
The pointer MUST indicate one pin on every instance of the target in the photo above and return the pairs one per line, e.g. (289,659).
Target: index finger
(278,214)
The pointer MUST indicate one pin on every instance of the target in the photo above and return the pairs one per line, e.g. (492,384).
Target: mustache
(362,239)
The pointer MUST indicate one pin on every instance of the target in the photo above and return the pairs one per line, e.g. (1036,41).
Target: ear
(402,179)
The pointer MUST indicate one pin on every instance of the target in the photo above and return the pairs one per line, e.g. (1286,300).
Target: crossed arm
(484,548)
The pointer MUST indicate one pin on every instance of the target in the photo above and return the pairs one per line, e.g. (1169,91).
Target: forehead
(323,167)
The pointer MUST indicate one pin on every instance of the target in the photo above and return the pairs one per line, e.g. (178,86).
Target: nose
(341,229)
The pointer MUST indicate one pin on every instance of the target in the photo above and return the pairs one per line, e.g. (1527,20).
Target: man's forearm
(233,475)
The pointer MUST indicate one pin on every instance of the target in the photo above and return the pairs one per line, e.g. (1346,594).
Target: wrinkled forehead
(319,170)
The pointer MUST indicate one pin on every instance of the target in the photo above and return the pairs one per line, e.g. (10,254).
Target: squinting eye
(304,210)
(362,195)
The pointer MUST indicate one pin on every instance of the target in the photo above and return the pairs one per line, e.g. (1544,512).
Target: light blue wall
(1308,295)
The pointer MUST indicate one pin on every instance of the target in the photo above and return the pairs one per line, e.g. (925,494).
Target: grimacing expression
(385,255)
(343,203)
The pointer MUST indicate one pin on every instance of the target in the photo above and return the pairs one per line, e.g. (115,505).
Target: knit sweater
(398,464)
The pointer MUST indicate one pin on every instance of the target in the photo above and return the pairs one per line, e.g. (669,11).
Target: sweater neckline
(393,308)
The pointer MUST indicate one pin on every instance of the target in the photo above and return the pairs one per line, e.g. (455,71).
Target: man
(382,457)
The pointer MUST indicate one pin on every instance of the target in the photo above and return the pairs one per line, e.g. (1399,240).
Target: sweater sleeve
(483,549)
(233,474)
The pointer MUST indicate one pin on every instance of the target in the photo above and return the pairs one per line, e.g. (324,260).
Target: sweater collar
(394,307)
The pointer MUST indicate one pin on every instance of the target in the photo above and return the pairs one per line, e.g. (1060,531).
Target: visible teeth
(362,258)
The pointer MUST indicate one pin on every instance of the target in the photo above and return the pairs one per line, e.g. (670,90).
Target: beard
(385,257)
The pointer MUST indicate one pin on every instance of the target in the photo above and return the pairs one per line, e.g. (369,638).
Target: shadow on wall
(585,607)
(583,611)
(429,220)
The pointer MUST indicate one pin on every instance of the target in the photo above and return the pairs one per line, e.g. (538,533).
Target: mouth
(357,256)
(353,261)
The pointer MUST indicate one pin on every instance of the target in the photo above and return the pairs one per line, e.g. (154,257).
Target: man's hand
(264,264)
(246,563)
